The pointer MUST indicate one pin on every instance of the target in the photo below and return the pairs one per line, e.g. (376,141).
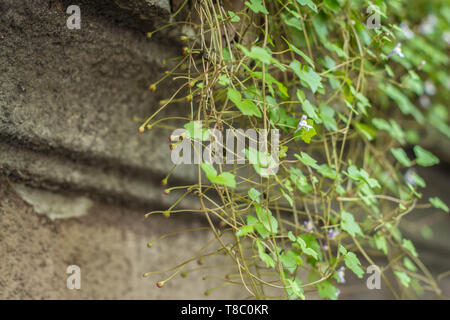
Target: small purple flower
(446,37)
(333,233)
(325,247)
(409,34)
(341,274)
(303,124)
(424,101)
(409,176)
(429,87)
(338,292)
(308,225)
(397,50)
(428,25)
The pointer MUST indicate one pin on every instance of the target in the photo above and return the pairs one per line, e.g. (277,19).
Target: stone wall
(77,177)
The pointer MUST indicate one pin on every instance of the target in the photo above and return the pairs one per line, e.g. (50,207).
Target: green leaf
(308,3)
(381,124)
(225,178)
(291,260)
(247,107)
(307,160)
(342,250)
(287,197)
(352,262)
(327,117)
(401,156)
(256,6)
(263,163)
(234,95)
(300,181)
(438,203)
(294,289)
(418,180)
(327,172)
(409,264)
(403,277)
(196,132)
(254,195)
(365,130)
(261,54)
(267,259)
(252,221)
(310,110)
(306,74)
(300,52)
(332,4)
(309,251)
(312,243)
(381,243)
(265,217)
(307,134)
(244,230)
(402,101)
(327,290)
(425,158)
(362,175)
(234,17)
(349,224)
(408,245)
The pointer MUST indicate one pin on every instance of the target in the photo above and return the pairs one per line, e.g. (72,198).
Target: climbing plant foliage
(347,175)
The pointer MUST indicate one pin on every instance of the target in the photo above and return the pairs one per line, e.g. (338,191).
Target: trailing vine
(350,103)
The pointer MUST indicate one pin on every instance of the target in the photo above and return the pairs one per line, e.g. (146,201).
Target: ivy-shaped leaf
(256,6)
(225,178)
(381,243)
(294,289)
(308,3)
(327,290)
(267,219)
(438,203)
(254,195)
(233,17)
(306,74)
(425,158)
(196,132)
(307,160)
(401,156)
(408,245)
(349,224)
(247,107)
(405,280)
(244,230)
(267,259)
(352,261)
(310,110)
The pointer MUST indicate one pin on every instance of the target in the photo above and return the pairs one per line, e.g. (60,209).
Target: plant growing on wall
(350,87)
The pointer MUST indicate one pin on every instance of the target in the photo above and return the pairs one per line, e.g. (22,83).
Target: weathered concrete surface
(109,244)
(67,103)
(69,97)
